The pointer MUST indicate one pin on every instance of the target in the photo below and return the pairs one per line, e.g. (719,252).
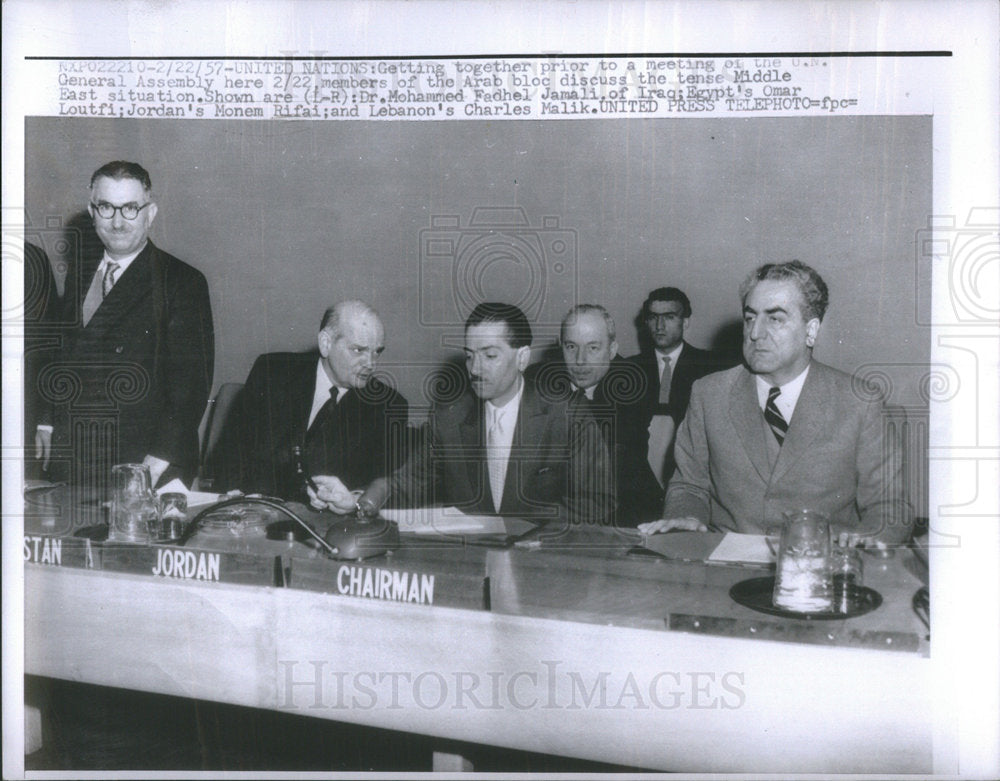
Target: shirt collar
(790,392)
(492,410)
(324,383)
(123,263)
(673,355)
(588,392)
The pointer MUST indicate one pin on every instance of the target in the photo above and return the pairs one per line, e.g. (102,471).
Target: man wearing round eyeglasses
(140,354)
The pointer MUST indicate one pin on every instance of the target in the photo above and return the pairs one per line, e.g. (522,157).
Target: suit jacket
(558,470)
(358,439)
(838,457)
(693,364)
(135,380)
(42,315)
(619,406)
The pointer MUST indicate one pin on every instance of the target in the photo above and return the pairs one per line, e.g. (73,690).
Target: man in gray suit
(785,432)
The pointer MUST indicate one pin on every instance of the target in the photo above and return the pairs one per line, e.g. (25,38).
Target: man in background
(134,373)
(670,366)
(602,384)
(322,411)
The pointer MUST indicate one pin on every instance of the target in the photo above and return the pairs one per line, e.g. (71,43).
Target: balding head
(351,339)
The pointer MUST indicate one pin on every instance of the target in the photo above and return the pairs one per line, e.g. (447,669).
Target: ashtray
(757,593)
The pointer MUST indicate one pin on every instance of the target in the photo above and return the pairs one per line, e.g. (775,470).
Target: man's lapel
(809,419)
(472,436)
(745,417)
(302,395)
(529,430)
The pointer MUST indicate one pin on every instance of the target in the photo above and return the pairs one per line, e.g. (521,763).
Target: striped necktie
(109,279)
(774,418)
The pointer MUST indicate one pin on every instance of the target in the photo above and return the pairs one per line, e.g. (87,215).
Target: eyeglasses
(129,210)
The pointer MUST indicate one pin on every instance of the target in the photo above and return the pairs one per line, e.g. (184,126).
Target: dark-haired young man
(670,366)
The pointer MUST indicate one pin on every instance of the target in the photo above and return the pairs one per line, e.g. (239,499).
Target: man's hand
(331,494)
(683,524)
(43,445)
(852,539)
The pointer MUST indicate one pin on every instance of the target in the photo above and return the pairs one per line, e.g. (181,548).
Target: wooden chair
(212,423)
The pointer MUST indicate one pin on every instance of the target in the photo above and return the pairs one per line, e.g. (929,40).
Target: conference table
(579,643)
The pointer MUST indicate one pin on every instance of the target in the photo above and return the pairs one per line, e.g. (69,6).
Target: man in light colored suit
(785,432)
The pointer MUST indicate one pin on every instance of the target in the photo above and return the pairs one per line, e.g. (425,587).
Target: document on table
(444,520)
(743,548)
(194,498)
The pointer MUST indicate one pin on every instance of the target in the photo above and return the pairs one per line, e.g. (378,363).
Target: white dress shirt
(673,355)
(499,441)
(788,398)
(322,392)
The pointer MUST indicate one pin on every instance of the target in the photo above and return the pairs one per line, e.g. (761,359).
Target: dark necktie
(321,439)
(324,413)
(774,418)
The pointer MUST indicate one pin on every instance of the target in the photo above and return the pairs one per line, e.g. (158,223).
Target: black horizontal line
(549,55)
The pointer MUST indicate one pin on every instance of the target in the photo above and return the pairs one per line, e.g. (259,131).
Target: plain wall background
(285,218)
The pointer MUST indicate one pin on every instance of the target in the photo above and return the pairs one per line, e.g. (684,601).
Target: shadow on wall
(727,342)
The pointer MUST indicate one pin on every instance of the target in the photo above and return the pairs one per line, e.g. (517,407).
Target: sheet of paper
(683,545)
(745,548)
(444,520)
(195,498)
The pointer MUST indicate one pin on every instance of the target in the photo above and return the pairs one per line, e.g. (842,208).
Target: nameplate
(193,564)
(437,575)
(59,551)
(385,580)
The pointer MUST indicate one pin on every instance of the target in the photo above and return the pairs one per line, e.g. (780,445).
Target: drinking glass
(173,516)
(848,574)
(803,580)
(133,504)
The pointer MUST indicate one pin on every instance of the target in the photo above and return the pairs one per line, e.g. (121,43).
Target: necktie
(665,381)
(774,418)
(495,459)
(323,412)
(109,278)
(321,438)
